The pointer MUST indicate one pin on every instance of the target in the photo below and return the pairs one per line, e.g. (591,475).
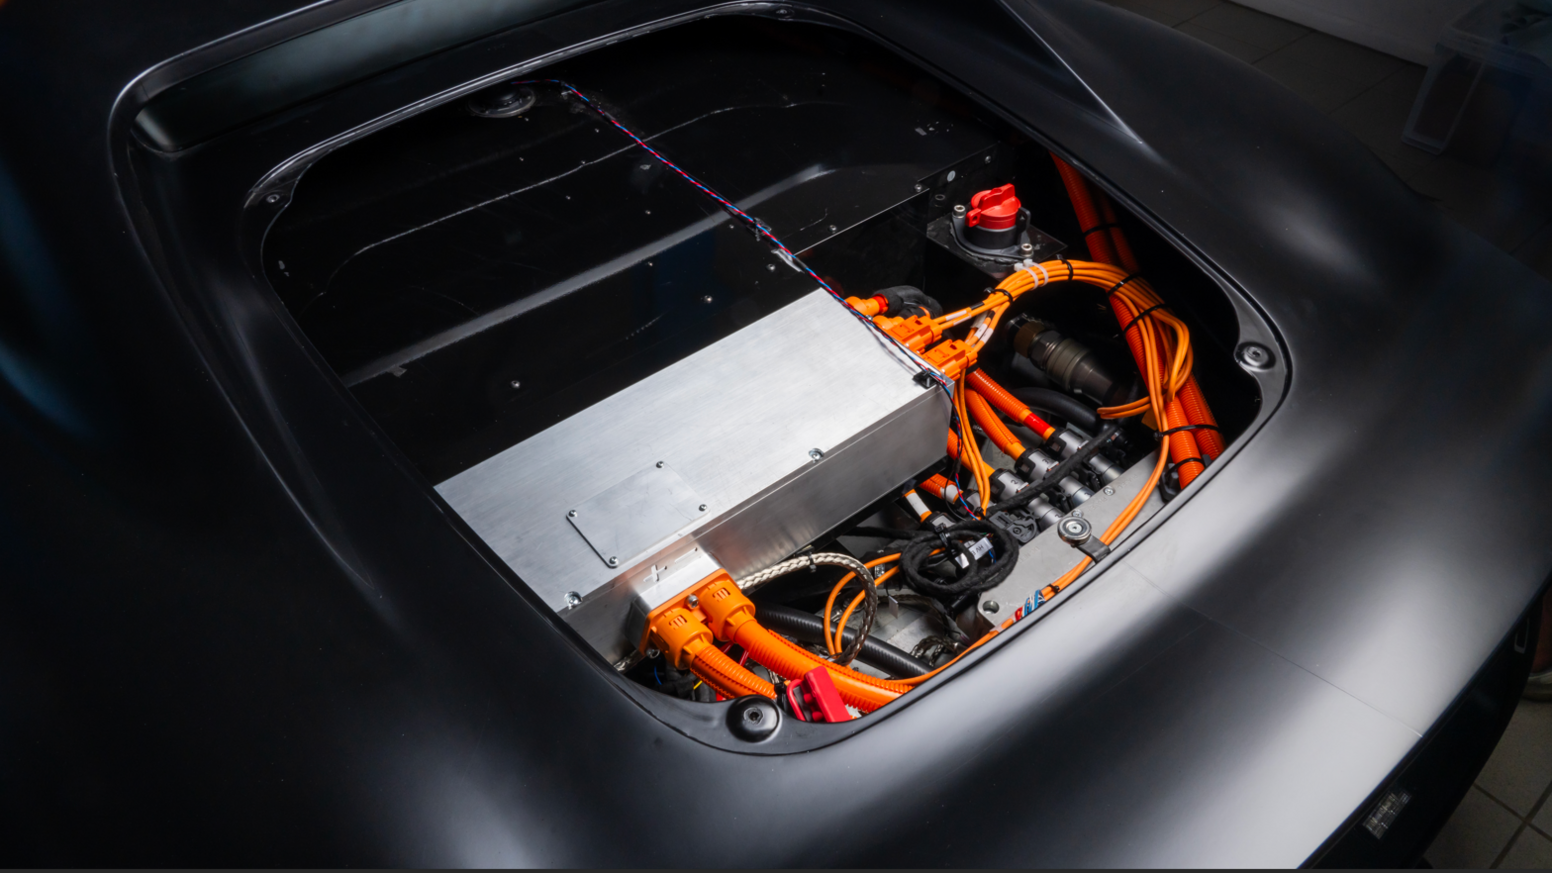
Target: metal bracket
(1078,533)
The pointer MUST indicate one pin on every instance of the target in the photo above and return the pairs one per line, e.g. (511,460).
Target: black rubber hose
(1073,410)
(810,628)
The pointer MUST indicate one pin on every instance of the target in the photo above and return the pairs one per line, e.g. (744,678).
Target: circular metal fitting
(815,454)
(1109,491)
(1074,531)
(502,101)
(613,561)
(515,384)
(571,514)
(273,198)
(573,598)
(1026,247)
(753,718)
(703,507)
(692,601)
(660,465)
(1254,355)
(990,606)
(959,209)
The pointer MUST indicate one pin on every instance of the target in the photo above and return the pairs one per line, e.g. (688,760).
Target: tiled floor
(1506,819)
(1371,95)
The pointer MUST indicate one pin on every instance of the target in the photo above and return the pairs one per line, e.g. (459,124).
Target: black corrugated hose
(810,628)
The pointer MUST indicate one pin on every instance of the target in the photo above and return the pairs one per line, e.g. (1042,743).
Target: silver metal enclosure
(746,450)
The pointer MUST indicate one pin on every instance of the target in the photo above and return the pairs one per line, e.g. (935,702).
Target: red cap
(994,209)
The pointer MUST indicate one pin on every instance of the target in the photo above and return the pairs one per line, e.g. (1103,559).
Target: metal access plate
(623,520)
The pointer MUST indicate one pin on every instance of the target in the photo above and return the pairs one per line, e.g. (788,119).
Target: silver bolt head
(987,160)
(692,601)
(613,562)
(991,606)
(571,514)
(652,653)
(703,507)
(815,454)
(660,465)
(516,384)
(573,598)
(706,299)
(1026,247)
(959,209)
(1077,513)
(771,267)
(1109,490)
(1254,355)
(273,198)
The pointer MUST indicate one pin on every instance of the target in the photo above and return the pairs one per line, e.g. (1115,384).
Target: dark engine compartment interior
(489,268)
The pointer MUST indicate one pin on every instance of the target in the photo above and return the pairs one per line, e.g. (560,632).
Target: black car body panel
(239,628)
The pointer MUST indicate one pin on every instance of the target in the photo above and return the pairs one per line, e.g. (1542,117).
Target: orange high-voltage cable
(1181,442)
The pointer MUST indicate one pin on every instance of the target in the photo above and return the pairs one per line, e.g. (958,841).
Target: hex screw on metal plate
(1077,513)
(613,561)
(1074,530)
(660,465)
(571,514)
(516,384)
(990,606)
(1109,490)
(771,267)
(920,187)
(573,598)
(815,454)
(703,507)
(959,209)
(988,159)
(1254,356)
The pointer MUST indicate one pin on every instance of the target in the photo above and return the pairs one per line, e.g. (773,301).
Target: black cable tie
(1176,465)
(1139,316)
(1117,286)
(1185,427)
(1006,294)
(1099,227)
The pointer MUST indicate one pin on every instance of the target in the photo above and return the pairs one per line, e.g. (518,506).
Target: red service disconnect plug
(993,209)
(814,698)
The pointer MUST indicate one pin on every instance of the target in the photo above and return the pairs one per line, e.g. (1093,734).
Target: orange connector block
(953,357)
(915,333)
(870,307)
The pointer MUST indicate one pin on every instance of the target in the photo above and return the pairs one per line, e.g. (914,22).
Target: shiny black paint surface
(236,629)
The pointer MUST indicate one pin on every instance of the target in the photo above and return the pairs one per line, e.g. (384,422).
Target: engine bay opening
(775,366)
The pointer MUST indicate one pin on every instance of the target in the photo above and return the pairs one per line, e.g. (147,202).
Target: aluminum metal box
(715,453)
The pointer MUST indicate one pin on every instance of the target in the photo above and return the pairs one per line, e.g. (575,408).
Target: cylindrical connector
(1070,363)
(1068,443)
(1006,483)
(1038,463)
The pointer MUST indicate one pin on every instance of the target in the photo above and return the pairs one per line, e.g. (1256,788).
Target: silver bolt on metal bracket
(815,454)
(573,598)
(613,561)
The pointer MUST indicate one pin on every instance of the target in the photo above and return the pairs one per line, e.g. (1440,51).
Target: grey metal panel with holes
(812,377)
